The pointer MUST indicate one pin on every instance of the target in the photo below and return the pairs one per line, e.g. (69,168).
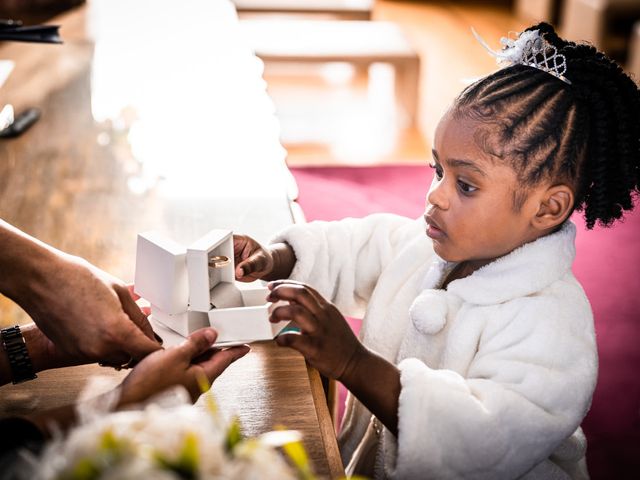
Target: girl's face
(469,211)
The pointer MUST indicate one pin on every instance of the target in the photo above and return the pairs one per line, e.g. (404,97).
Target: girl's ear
(556,204)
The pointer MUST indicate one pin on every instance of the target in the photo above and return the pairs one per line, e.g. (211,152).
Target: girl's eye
(465,187)
(438,170)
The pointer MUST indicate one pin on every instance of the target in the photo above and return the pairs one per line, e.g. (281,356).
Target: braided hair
(586,134)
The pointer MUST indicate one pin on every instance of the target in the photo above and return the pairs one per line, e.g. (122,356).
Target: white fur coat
(497,371)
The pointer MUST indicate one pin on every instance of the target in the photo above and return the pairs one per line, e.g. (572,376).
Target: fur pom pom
(428,311)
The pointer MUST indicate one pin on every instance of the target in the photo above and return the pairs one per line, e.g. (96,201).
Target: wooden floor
(334,116)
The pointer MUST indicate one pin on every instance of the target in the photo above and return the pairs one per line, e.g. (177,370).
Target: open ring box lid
(187,294)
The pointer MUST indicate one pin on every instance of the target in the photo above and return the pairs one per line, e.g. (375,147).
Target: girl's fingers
(298,293)
(297,342)
(319,298)
(298,314)
(239,244)
(275,283)
(253,264)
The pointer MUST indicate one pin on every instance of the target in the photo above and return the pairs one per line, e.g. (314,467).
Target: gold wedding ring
(219,261)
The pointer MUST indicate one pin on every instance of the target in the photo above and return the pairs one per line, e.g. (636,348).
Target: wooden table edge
(327,431)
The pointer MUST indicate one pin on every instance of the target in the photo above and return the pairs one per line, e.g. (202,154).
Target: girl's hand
(252,260)
(327,342)
(255,262)
(180,365)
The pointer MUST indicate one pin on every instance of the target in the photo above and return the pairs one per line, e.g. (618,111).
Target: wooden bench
(344,9)
(357,42)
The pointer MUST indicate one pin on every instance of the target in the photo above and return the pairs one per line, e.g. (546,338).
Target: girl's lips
(433,230)
(435,233)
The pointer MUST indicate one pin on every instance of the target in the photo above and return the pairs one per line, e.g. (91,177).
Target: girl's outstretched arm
(328,344)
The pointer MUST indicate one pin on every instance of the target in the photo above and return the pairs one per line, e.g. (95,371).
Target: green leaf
(186,465)
(298,455)
(234,435)
(205,388)
(110,445)
(84,469)
(189,453)
(111,450)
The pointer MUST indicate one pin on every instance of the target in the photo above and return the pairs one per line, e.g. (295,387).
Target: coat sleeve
(344,259)
(526,390)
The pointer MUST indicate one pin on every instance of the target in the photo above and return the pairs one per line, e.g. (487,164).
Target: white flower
(160,442)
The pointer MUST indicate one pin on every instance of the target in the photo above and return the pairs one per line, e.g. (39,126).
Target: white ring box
(186,294)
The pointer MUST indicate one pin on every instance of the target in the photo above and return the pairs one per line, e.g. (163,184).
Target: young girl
(477,355)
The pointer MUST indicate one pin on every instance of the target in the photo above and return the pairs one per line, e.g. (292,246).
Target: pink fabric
(607,266)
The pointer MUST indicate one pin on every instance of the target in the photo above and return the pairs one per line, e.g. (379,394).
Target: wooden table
(154,116)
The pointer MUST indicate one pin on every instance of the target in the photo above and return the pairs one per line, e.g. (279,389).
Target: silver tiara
(529,48)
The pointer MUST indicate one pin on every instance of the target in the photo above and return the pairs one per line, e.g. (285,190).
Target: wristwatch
(19,360)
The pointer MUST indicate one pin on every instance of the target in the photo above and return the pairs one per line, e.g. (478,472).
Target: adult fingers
(136,343)
(134,295)
(297,293)
(299,314)
(134,312)
(219,361)
(198,343)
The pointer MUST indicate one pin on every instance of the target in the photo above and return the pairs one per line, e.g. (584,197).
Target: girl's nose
(437,195)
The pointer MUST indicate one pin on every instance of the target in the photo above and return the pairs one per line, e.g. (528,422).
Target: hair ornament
(529,48)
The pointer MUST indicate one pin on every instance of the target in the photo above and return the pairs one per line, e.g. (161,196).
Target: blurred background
(358,87)
(346,113)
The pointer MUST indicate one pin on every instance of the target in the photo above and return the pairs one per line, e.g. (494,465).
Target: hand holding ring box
(194,287)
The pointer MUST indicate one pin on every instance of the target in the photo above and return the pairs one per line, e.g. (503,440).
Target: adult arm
(83,310)
(42,352)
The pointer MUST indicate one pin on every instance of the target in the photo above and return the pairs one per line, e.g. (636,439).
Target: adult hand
(87,313)
(180,365)
(326,340)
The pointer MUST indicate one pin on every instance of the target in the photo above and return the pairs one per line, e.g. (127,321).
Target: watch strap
(18,355)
